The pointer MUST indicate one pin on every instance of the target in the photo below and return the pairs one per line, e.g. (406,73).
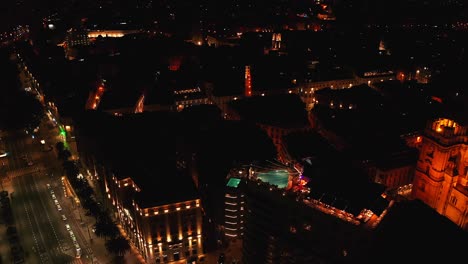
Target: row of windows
(176,255)
(165,248)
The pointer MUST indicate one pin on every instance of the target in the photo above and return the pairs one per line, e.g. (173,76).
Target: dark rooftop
(342,183)
(163,188)
(361,96)
(412,232)
(133,147)
(301,145)
(285,111)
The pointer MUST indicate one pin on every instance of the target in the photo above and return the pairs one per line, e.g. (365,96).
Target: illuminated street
(30,167)
(233,132)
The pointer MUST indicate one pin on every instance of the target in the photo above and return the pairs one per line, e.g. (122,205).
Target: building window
(292,229)
(453,200)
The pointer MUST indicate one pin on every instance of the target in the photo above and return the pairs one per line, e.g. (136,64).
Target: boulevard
(49,226)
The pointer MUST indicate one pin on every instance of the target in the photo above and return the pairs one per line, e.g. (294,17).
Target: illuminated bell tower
(276,41)
(94,98)
(248,82)
(441,175)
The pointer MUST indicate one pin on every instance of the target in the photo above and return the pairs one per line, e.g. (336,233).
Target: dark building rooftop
(285,111)
(412,232)
(159,188)
(343,185)
(302,145)
(123,97)
(361,96)
(133,147)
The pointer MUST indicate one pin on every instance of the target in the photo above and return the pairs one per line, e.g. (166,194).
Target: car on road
(59,207)
(3,153)
(221,258)
(64,218)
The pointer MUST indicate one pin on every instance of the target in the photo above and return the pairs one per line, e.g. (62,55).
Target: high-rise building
(233,209)
(283,220)
(441,176)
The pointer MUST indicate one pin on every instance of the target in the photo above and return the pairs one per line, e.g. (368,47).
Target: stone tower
(441,176)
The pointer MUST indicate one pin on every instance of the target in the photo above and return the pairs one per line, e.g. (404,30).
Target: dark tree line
(105,227)
(18,108)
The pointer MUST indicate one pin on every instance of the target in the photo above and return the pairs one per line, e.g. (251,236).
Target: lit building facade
(233,209)
(283,223)
(248,82)
(441,176)
(164,233)
(73,38)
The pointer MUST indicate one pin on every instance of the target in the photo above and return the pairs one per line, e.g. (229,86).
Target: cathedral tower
(441,176)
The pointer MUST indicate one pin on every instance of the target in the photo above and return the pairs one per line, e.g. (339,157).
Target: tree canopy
(18,108)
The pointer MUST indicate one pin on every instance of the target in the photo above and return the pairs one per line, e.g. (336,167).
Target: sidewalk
(233,252)
(97,244)
(5,252)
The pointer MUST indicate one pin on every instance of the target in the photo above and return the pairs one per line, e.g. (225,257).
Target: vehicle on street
(221,258)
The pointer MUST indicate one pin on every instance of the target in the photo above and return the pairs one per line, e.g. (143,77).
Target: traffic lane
(56,226)
(45,221)
(15,147)
(27,235)
(35,214)
(67,244)
(20,150)
(76,219)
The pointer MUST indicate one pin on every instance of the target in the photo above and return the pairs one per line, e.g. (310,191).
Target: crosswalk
(25,170)
(76,261)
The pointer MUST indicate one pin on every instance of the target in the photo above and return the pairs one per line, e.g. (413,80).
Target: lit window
(453,200)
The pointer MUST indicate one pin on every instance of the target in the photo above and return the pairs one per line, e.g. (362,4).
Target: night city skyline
(229,132)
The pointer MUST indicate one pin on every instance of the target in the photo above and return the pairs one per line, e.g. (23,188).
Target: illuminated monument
(248,82)
(441,176)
